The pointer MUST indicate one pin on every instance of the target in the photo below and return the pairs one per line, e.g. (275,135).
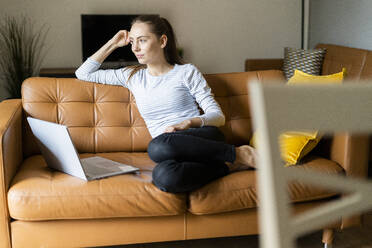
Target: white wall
(217,35)
(341,22)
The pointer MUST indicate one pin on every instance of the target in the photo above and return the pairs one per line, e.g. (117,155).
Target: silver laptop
(59,152)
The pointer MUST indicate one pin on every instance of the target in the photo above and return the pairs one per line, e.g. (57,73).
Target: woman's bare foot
(246,158)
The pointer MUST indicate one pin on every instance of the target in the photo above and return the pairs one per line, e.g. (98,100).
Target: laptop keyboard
(98,167)
(92,169)
(98,170)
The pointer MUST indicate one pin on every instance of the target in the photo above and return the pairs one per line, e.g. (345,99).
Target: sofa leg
(328,236)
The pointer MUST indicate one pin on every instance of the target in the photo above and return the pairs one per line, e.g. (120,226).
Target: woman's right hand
(121,38)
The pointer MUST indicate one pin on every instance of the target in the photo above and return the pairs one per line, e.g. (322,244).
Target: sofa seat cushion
(238,191)
(40,193)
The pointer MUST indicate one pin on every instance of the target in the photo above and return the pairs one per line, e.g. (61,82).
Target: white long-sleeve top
(162,100)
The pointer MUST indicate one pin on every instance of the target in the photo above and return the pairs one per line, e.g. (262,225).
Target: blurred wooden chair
(328,108)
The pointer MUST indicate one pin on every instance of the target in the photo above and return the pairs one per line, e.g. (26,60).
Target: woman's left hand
(178,127)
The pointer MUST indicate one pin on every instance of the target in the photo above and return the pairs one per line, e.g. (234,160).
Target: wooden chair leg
(327,246)
(328,235)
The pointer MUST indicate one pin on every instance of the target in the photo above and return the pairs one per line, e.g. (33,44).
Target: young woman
(189,148)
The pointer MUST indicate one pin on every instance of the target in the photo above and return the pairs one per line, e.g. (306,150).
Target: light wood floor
(350,238)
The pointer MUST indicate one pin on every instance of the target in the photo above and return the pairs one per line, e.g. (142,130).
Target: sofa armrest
(351,152)
(10,158)
(263,64)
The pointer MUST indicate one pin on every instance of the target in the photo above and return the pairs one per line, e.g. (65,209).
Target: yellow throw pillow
(302,77)
(295,145)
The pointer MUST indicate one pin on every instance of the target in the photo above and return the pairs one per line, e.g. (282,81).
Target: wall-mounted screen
(98,29)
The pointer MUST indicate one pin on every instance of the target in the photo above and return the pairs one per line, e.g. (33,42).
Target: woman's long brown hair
(159,26)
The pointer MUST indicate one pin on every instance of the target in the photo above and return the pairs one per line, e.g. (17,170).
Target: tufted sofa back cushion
(358,62)
(100,118)
(105,118)
(231,92)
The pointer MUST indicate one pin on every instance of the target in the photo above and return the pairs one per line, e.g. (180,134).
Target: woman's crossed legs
(192,158)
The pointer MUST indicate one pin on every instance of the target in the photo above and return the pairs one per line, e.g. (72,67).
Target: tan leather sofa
(45,208)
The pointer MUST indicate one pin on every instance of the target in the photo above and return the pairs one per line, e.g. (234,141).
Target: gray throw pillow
(309,61)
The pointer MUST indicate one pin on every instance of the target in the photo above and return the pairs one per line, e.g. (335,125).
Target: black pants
(189,159)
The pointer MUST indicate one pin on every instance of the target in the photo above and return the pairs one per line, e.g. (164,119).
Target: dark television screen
(98,29)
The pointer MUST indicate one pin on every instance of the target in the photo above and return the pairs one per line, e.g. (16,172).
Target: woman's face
(145,45)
